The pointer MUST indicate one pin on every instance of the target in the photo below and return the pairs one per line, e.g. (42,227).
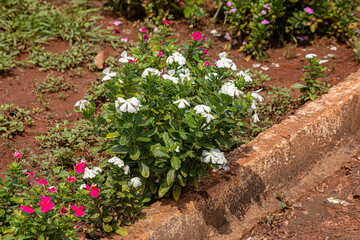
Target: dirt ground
(330,211)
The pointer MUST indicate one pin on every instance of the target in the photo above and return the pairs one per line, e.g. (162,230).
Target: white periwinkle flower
(231,90)
(224,62)
(91,173)
(82,186)
(135,182)
(202,109)
(256,118)
(151,71)
(181,103)
(116,161)
(176,57)
(310,55)
(82,104)
(214,156)
(253,105)
(245,75)
(185,75)
(126,169)
(171,77)
(130,105)
(257,96)
(108,74)
(208,116)
(124,58)
(210,75)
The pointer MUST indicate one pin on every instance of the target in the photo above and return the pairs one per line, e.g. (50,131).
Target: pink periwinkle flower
(31,174)
(27,208)
(244,43)
(197,36)
(116,30)
(167,22)
(79,211)
(124,39)
(76,227)
(264,21)
(46,204)
(206,63)
(160,54)
(308,10)
(142,30)
(205,51)
(17,154)
(228,4)
(145,37)
(51,189)
(117,23)
(94,191)
(267,6)
(80,167)
(232,10)
(42,182)
(263,12)
(63,210)
(70,179)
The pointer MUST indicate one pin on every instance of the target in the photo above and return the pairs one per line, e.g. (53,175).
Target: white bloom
(148,71)
(202,109)
(210,75)
(257,96)
(91,173)
(333,48)
(82,104)
(265,68)
(182,103)
(124,58)
(215,156)
(275,65)
(224,62)
(177,149)
(116,161)
(130,105)
(135,182)
(185,75)
(126,169)
(207,156)
(83,186)
(245,75)
(230,89)
(177,57)
(253,105)
(256,118)
(208,117)
(215,33)
(256,65)
(310,55)
(108,74)
(171,77)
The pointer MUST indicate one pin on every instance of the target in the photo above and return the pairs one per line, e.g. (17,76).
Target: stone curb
(278,160)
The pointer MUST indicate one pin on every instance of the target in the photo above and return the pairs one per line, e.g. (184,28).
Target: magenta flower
(205,51)
(263,12)
(160,54)
(63,210)
(27,209)
(17,154)
(42,181)
(308,10)
(197,36)
(117,23)
(267,6)
(70,179)
(232,10)
(51,189)
(167,22)
(116,30)
(244,43)
(145,37)
(31,174)
(228,4)
(76,227)
(79,211)
(80,167)
(264,21)
(206,63)
(94,191)
(142,30)
(46,204)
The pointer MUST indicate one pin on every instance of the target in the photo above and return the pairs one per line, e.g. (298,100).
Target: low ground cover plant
(260,24)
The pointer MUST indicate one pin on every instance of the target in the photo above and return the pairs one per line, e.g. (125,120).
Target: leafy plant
(193,12)
(53,84)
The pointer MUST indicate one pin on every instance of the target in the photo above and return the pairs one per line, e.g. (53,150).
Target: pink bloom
(80,167)
(232,10)
(160,54)
(228,4)
(124,39)
(94,191)
(267,6)
(227,36)
(63,210)
(76,227)
(133,61)
(145,37)
(264,21)
(30,173)
(46,204)
(70,179)
(308,10)
(42,181)
(116,30)
(17,154)
(205,51)
(52,189)
(197,36)
(167,22)
(244,43)
(206,63)
(117,23)
(215,62)
(27,209)
(142,30)
(263,12)
(79,211)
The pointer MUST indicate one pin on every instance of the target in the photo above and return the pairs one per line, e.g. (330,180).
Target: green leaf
(144,170)
(108,219)
(123,141)
(298,85)
(17,200)
(2,212)
(175,162)
(176,192)
(120,149)
(113,135)
(181,180)
(171,176)
(134,153)
(312,27)
(64,173)
(143,139)
(164,188)
(121,231)
(167,140)
(107,227)
(159,151)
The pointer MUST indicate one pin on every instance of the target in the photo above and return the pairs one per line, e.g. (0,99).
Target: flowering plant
(171,113)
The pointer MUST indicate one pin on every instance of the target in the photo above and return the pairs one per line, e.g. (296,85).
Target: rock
(99,60)
(356,192)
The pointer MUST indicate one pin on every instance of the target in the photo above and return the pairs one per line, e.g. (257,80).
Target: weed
(96,93)
(53,84)
(290,52)
(355,43)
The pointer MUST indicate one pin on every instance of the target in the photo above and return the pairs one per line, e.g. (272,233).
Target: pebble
(256,65)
